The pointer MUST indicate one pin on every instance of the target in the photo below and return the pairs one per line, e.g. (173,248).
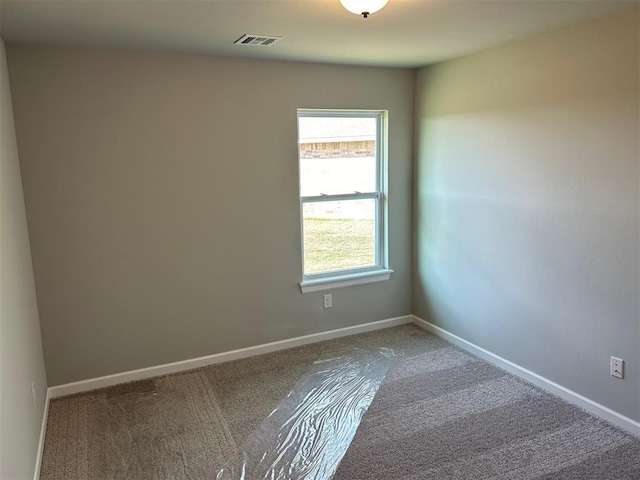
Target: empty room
(319,239)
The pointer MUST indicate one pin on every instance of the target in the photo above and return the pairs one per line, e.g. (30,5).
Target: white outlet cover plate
(328,300)
(617,367)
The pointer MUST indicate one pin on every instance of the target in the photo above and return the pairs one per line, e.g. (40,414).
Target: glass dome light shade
(363,7)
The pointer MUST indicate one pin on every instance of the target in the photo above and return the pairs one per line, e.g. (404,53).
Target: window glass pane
(337,155)
(339,235)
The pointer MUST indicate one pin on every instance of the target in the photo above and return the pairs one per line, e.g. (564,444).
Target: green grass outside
(334,244)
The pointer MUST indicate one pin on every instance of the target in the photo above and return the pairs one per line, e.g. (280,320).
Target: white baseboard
(143,373)
(43,431)
(585,403)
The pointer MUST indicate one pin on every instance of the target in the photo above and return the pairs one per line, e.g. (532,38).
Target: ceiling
(406,33)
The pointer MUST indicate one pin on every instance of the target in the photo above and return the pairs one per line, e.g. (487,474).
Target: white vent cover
(257,40)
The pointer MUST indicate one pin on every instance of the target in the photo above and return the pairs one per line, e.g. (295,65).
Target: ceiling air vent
(257,40)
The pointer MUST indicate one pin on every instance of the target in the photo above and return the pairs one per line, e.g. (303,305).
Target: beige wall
(526,204)
(21,361)
(162,194)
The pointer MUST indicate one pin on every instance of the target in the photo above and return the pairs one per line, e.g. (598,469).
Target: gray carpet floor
(440,413)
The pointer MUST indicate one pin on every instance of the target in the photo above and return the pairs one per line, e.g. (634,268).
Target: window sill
(339,281)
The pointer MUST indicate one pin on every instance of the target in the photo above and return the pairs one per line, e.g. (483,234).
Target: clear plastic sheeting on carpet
(308,433)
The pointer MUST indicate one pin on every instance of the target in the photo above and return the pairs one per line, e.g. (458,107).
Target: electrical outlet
(33,393)
(617,367)
(328,300)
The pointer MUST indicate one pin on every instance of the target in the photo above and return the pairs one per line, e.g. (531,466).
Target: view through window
(340,191)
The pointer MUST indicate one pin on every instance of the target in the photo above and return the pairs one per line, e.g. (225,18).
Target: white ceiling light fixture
(363,7)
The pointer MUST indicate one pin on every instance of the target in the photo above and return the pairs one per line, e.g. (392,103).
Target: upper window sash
(379,139)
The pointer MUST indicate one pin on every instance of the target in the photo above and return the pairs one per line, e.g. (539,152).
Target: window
(342,199)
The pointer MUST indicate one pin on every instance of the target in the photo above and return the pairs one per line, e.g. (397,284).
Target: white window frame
(380,271)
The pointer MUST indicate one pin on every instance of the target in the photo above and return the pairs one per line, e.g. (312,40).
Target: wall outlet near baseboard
(617,367)
(328,300)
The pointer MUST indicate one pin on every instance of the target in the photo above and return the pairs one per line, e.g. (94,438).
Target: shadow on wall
(501,231)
